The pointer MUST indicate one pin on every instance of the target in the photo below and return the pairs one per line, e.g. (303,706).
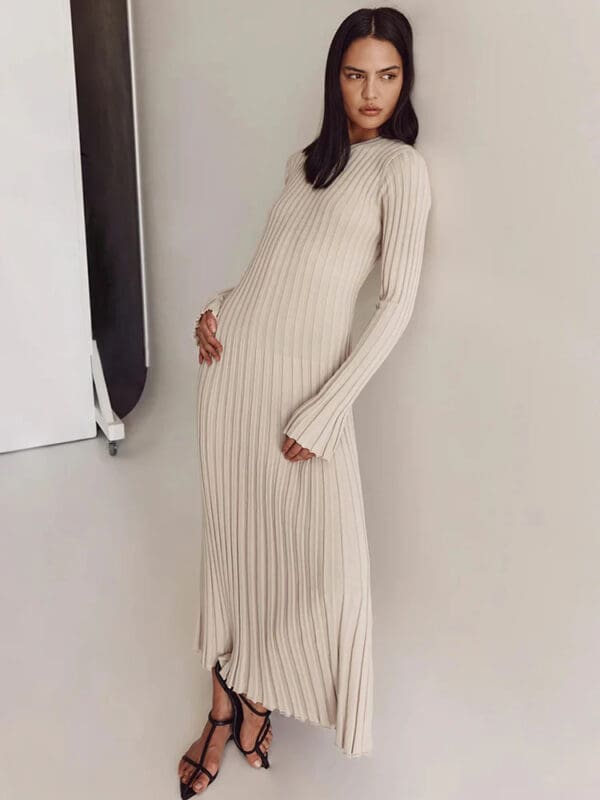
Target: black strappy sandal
(238,719)
(186,789)
(237,727)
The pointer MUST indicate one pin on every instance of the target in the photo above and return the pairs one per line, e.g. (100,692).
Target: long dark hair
(328,154)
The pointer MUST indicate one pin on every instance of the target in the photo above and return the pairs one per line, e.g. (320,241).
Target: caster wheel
(112,448)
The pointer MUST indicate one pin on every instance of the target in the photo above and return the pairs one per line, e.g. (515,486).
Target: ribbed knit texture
(285,581)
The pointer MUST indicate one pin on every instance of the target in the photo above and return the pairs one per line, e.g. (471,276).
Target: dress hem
(246,689)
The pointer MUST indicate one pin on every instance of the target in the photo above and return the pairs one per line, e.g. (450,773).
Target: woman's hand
(293,450)
(209,346)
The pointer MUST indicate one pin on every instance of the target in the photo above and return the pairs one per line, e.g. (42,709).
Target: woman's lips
(370,112)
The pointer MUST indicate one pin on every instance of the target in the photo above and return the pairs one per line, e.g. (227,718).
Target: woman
(285,617)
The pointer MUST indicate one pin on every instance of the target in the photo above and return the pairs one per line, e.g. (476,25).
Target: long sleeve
(405,203)
(216,301)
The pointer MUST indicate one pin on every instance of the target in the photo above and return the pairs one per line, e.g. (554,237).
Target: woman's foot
(221,709)
(251,725)
(212,757)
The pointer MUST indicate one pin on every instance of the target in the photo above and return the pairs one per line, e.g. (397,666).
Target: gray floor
(102,691)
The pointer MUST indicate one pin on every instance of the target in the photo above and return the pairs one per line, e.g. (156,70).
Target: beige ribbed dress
(285,600)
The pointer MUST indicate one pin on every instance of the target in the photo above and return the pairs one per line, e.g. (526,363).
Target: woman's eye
(354,75)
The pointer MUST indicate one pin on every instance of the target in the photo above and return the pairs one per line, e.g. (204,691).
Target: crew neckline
(366,141)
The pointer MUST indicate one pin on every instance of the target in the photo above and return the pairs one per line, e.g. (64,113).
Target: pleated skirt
(285,596)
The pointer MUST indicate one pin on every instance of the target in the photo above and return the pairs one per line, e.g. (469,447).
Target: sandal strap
(202,768)
(190,761)
(263,732)
(258,741)
(221,680)
(253,708)
(199,765)
(235,698)
(219,721)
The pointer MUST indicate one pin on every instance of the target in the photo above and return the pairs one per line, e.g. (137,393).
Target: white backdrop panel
(45,331)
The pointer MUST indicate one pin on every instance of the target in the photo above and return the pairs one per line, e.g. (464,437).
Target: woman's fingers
(210,347)
(293,450)
(204,355)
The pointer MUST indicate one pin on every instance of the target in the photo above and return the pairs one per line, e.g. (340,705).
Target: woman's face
(370,75)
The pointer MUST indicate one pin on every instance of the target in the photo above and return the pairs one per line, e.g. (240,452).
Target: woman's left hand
(293,450)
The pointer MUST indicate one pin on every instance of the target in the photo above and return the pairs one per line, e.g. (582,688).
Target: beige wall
(478,437)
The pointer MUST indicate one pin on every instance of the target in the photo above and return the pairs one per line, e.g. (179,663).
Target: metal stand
(112,427)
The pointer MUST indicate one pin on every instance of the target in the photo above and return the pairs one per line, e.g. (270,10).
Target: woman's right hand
(209,346)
